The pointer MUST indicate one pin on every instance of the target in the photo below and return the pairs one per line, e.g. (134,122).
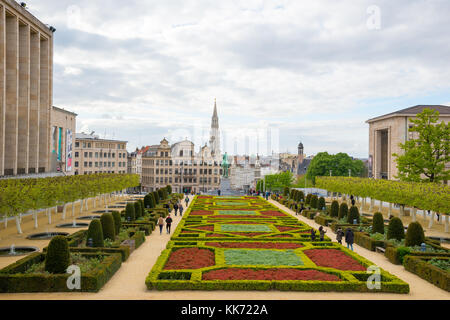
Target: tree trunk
(372,201)
(6,221)
(35,217)
(414,212)
(430,225)
(73,209)
(381,206)
(446,223)
(390,209)
(402,211)
(64,212)
(49,212)
(361,208)
(86,203)
(19,229)
(81,205)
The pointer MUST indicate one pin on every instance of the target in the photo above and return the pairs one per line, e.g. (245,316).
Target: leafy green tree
(427,154)
(339,164)
(279,181)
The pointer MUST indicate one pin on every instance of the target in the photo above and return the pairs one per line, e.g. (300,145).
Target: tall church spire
(214,141)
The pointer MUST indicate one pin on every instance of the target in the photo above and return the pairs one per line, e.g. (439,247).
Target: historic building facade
(63,126)
(26,90)
(245,173)
(387,132)
(94,155)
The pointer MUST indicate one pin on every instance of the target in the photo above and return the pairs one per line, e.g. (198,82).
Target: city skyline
(313,72)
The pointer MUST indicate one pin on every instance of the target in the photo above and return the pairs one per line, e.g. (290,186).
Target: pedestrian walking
(296,208)
(187,201)
(349,238)
(339,235)
(168,223)
(313,235)
(181,210)
(219,192)
(301,208)
(160,224)
(322,233)
(175,208)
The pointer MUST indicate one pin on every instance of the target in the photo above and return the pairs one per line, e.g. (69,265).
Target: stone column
(44,108)
(2,87)
(12,78)
(24,98)
(35,62)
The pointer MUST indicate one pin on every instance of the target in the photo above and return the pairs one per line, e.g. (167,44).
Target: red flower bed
(201,213)
(188,231)
(249,234)
(243,222)
(333,258)
(206,228)
(285,228)
(282,236)
(255,245)
(190,258)
(240,216)
(268,274)
(216,235)
(273,213)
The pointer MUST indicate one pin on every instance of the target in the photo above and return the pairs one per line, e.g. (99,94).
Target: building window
(96,165)
(90,164)
(167,154)
(85,164)
(90,154)
(120,155)
(89,145)
(113,155)
(84,144)
(77,144)
(77,154)
(85,154)
(96,154)
(76,164)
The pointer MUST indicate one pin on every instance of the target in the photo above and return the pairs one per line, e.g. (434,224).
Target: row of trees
(275,182)
(18,196)
(425,196)
(152,199)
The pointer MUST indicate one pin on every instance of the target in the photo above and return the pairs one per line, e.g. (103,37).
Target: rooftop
(85,136)
(413,111)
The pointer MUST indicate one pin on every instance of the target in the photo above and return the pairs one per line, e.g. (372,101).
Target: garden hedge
(364,240)
(428,272)
(13,280)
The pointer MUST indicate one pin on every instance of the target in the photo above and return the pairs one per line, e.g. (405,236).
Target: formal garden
(246,243)
(402,245)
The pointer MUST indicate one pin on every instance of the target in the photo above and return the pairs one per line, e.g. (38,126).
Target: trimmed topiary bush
(109,230)
(95,232)
(299,196)
(353,214)
(414,235)
(308,199)
(321,203)
(142,208)
(334,211)
(343,210)
(378,223)
(169,189)
(117,221)
(396,229)
(314,202)
(161,194)
(153,201)
(148,201)
(137,210)
(156,196)
(57,259)
(129,212)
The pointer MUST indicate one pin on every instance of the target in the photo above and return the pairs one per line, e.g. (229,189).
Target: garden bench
(380,249)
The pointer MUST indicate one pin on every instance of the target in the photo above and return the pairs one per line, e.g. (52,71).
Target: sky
(282,71)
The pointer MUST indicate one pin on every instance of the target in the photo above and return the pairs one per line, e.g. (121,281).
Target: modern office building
(26,85)
(386,132)
(94,155)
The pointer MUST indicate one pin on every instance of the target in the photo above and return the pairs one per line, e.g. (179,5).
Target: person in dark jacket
(175,208)
(349,238)
(187,201)
(322,233)
(339,235)
(168,223)
(296,208)
(181,210)
(301,208)
(313,235)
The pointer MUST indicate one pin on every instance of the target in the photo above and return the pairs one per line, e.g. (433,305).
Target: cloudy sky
(310,71)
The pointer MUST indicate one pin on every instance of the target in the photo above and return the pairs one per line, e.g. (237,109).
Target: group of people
(177,207)
(349,236)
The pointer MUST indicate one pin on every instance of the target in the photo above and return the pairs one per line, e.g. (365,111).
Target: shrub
(286,191)
(156,196)
(169,189)
(117,221)
(95,232)
(353,214)
(153,205)
(148,201)
(321,203)
(137,210)
(109,230)
(300,196)
(161,194)
(308,199)
(396,230)
(129,212)
(343,210)
(57,259)
(142,208)
(414,235)
(334,211)
(314,202)
(378,223)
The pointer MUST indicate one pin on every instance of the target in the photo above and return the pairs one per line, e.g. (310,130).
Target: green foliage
(321,203)
(141,202)
(339,164)
(129,212)
(378,223)
(109,230)
(117,221)
(277,182)
(314,201)
(156,196)
(148,201)
(442,264)
(334,212)
(396,229)
(343,210)
(427,154)
(308,199)
(169,189)
(426,196)
(353,214)
(414,235)
(161,194)
(285,191)
(57,259)
(137,210)
(95,232)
